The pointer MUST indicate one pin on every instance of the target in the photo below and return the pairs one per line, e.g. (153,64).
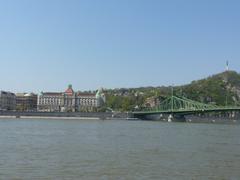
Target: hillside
(220,89)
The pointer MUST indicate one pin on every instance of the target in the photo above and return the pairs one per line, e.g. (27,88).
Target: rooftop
(69,91)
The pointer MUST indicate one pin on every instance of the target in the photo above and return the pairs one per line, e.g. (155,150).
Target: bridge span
(176,108)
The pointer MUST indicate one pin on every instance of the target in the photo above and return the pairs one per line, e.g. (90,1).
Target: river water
(109,150)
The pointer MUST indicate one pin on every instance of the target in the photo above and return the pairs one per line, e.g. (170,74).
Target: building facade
(26,102)
(86,101)
(70,101)
(50,102)
(7,101)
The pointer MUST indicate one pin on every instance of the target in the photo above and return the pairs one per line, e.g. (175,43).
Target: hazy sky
(47,44)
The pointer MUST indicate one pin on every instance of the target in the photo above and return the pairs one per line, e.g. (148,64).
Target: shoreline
(65,115)
(67,118)
(109,116)
(49,117)
(203,121)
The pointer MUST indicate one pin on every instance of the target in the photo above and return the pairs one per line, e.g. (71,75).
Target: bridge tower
(170,117)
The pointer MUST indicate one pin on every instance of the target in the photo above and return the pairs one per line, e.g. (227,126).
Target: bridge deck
(188,111)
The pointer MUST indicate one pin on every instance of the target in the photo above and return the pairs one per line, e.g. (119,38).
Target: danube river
(109,150)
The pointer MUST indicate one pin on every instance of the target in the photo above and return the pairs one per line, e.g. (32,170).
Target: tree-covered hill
(220,89)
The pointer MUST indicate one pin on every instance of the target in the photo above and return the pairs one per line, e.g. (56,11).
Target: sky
(47,44)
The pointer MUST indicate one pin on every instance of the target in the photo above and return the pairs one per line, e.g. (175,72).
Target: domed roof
(99,93)
(69,91)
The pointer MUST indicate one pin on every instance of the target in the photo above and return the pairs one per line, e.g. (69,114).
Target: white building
(86,101)
(70,101)
(50,101)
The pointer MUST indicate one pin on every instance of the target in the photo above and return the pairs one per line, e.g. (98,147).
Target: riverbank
(111,116)
(64,115)
(48,117)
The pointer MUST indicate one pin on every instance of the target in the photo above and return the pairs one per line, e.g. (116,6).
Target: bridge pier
(163,117)
(170,118)
(178,118)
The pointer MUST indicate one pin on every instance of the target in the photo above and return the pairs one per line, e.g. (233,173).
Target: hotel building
(70,101)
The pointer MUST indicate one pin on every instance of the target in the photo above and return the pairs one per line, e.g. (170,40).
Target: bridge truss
(175,103)
(184,105)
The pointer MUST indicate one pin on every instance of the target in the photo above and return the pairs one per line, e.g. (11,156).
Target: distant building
(7,101)
(86,100)
(50,101)
(26,102)
(152,102)
(70,101)
(101,97)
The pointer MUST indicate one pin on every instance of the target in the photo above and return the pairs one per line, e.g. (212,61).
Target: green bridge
(180,106)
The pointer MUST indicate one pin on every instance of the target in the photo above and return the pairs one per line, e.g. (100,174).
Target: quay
(64,115)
